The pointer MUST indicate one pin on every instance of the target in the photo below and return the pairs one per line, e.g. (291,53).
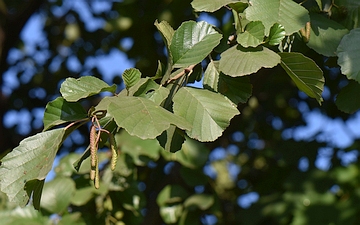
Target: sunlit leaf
(131,77)
(210,6)
(285,12)
(252,36)
(60,111)
(166,31)
(307,76)
(143,118)
(239,61)
(73,89)
(208,112)
(200,201)
(192,42)
(325,35)
(349,55)
(32,159)
(276,35)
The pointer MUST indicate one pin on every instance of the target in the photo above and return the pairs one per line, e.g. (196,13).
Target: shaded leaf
(31,160)
(347,100)
(34,188)
(131,77)
(192,42)
(276,35)
(208,112)
(307,76)
(172,139)
(143,118)
(210,6)
(325,35)
(60,111)
(253,35)
(239,61)
(193,154)
(73,89)
(171,194)
(152,91)
(141,151)
(285,12)
(349,55)
(237,89)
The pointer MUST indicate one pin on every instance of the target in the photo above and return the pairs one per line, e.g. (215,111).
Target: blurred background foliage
(284,160)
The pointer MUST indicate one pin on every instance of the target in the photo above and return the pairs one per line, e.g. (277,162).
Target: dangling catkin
(114,152)
(93,145)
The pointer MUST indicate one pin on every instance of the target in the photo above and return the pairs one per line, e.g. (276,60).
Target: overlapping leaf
(253,35)
(276,35)
(208,112)
(285,12)
(60,111)
(73,89)
(325,35)
(237,89)
(143,118)
(349,55)
(210,6)
(307,76)
(192,42)
(31,160)
(239,61)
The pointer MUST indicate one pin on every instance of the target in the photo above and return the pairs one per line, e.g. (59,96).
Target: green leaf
(142,151)
(325,35)
(210,6)
(208,112)
(131,77)
(193,154)
(200,201)
(349,55)
(73,89)
(285,12)
(143,118)
(252,36)
(34,188)
(31,160)
(57,194)
(237,89)
(239,61)
(347,100)
(276,35)
(166,31)
(171,214)
(172,139)
(152,91)
(307,76)
(60,111)
(171,194)
(192,42)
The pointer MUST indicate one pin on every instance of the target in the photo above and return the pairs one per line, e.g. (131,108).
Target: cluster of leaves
(162,112)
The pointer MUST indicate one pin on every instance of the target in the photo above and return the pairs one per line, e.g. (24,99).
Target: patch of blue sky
(348,157)
(209,19)
(246,200)
(91,23)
